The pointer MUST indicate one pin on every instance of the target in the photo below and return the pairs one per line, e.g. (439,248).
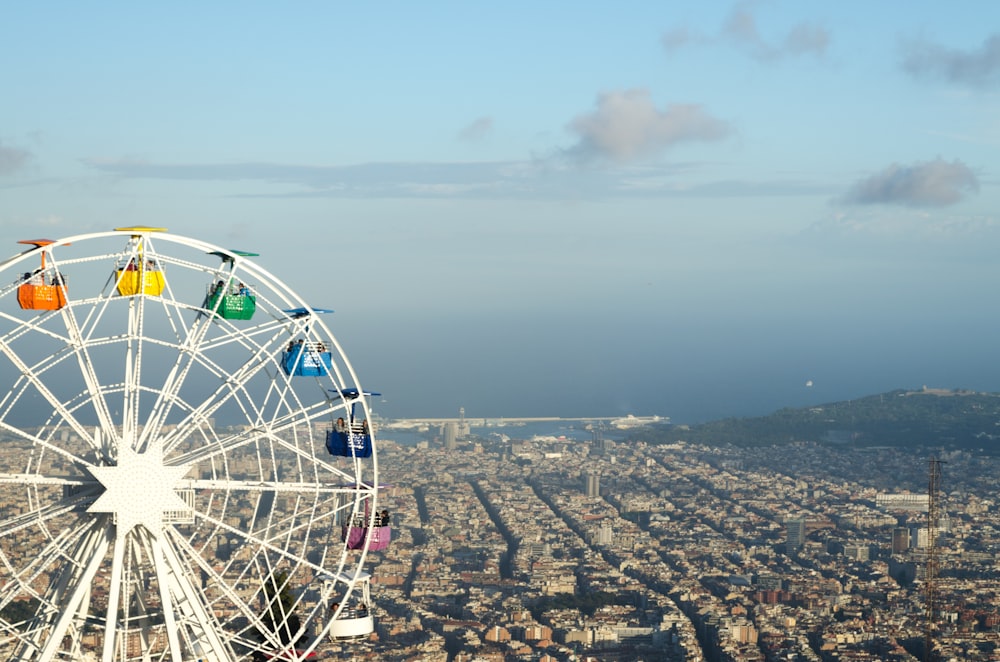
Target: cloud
(12,159)
(626,126)
(357,180)
(886,234)
(477,130)
(931,184)
(674,40)
(542,179)
(978,68)
(740,29)
(803,39)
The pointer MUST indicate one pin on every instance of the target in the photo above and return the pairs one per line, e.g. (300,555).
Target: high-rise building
(464,426)
(592,484)
(900,540)
(450,435)
(796,534)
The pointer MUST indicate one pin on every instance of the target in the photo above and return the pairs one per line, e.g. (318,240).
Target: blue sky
(684,209)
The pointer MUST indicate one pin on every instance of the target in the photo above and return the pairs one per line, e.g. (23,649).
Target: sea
(548,430)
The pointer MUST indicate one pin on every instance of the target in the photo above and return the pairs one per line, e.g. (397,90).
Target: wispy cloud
(934,183)
(890,233)
(12,159)
(477,130)
(678,38)
(626,126)
(740,29)
(909,223)
(802,39)
(400,178)
(539,179)
(976,68)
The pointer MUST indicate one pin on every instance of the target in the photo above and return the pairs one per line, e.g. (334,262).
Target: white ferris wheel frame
(152,534)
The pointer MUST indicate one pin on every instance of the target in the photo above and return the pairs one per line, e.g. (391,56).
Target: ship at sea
(630,421)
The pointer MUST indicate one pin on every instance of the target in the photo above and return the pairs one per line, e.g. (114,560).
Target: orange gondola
(44,288)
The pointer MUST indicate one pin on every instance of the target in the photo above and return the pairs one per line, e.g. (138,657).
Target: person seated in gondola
(131,265)
(242,290)
(340,426)
(364,426)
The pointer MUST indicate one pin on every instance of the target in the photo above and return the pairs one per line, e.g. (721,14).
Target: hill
(929,417)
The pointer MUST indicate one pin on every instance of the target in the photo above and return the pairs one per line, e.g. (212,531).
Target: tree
(278,615)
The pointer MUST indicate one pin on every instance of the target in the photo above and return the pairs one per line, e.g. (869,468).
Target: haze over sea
(550,209)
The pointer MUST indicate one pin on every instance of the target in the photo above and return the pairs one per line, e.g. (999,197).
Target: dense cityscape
(553,549)
(600,545)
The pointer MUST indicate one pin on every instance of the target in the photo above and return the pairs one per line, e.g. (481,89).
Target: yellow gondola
(41,290)
(140,275)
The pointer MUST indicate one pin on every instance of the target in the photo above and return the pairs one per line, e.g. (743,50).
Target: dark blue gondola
(350,438)
(306,359)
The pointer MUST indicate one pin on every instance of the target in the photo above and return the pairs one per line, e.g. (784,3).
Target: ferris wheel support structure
(167,488)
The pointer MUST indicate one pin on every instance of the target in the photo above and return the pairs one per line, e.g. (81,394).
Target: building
(796,534)
(900,540)
(450,435)
(592,484)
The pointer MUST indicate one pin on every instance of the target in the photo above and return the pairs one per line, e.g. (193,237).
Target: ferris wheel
(186,466)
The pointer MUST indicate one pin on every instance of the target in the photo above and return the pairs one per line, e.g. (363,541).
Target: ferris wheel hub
(139,489)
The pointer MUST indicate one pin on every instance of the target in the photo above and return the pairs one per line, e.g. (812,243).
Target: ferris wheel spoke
(32,376)
(270,330)
(298,524)
(163,576)
(114,597)
(234,485)
(133,369)
(85,362)
(233,390)
(184,598)
(73,587)
(38,442)
(262,543)
(51,556)
(224,583)
(321,510)
(168,396)
(36,517)
(270,433)
(192,352)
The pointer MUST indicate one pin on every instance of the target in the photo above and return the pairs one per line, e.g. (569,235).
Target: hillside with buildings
(927,417)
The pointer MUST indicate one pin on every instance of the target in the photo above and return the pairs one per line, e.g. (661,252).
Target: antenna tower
(931,568)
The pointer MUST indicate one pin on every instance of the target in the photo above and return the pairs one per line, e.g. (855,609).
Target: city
(611,550)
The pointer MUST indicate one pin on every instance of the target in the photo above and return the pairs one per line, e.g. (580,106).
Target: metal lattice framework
(165,491)
(933,561)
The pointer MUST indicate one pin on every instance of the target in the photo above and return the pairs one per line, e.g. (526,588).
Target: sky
(569,209)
